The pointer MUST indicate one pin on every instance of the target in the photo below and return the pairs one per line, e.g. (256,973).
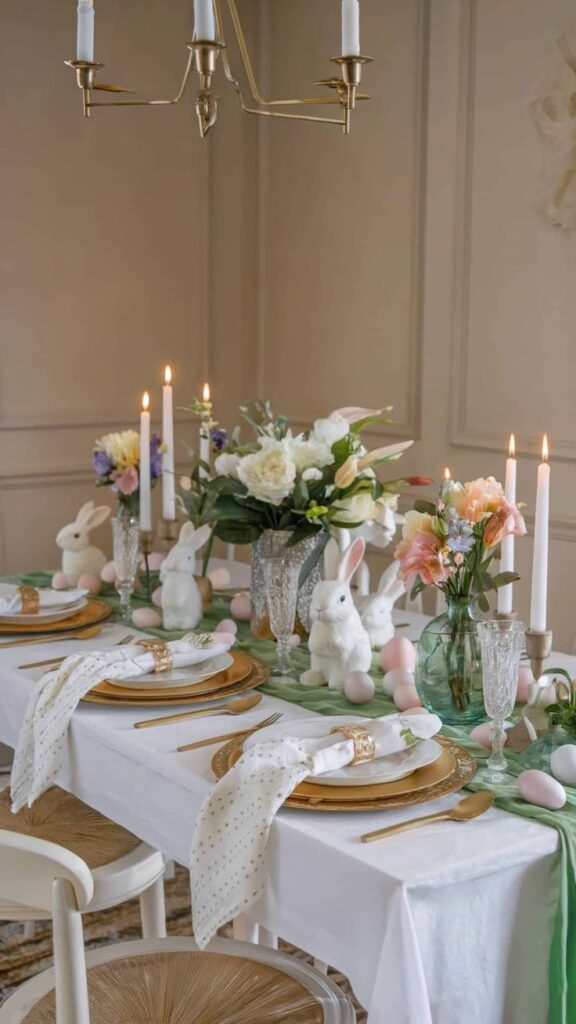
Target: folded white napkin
(48,599)
(228,858)
(42,738)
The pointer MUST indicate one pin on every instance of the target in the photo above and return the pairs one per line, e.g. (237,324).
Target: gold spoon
(466,809)
(233,707)
(54,638)
(58,661)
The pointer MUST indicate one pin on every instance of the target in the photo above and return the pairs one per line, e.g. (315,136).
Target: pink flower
(477,499)
(421,556)
(127,481)
(508,520)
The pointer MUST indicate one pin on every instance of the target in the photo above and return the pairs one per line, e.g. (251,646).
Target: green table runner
(562,967)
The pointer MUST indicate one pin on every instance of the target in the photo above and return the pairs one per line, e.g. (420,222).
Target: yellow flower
(347,472)
(123,449)
(417,522)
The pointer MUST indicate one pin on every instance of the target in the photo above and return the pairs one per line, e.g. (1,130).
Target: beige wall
(407,263)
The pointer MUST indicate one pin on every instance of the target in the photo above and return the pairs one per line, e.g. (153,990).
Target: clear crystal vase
(449,665)
(274,544)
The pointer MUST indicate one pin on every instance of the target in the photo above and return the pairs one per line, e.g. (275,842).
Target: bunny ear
(331,559)
(186,534)
(388,577)
(96,516)
(84,512)
(201,535)
(351,560)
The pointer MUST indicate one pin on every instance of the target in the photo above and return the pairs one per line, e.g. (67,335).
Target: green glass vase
(449,665)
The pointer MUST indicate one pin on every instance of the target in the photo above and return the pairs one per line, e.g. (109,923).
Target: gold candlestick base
(168,530)
(146,541)
(506,616)
(538,647)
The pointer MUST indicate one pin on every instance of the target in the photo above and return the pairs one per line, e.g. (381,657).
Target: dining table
(447,924)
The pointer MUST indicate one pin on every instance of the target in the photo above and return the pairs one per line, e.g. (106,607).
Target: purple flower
(219,439)
(460,537)
(101,464)
(460,544)
(155,456)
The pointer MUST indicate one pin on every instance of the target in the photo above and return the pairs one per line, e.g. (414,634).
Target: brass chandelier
(208,43)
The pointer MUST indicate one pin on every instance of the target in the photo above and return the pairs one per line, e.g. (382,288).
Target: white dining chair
(120,866)
(148,980)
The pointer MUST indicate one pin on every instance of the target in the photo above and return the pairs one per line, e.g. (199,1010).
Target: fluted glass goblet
(501,644)
(126,544)
(281,595)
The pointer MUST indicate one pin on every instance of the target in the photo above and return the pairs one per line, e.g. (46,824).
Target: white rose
(381,529)
(309,453)
(312,474)
(270,473)
(359,508)
(227,465)
(327,431)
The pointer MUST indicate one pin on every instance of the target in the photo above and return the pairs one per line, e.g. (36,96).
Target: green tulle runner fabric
(562,967)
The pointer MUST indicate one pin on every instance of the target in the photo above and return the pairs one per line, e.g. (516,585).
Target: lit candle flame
(206,393)
(145,401)
(447,474)
(512,448)
(168,375)
(545,449)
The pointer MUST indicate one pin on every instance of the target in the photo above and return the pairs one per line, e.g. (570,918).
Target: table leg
(321,966)
(268,939)
(245,929)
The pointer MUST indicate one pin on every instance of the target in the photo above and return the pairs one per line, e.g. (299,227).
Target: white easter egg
(563,764)
(108,573)
(406,696)
(295,640)
(416,711)
(147,618)
(241,607)
(396,677)
(525,677)
(219,578)
(156,597)
(400,653)
(90,581)
(538,788)
(59,581)
(358,687)
(227,626)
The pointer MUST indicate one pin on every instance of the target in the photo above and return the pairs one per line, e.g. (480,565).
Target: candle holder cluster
(538,648)
(203,57)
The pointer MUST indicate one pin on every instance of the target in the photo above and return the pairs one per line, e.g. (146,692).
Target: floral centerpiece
(116,462)
(283,492)
(451,546)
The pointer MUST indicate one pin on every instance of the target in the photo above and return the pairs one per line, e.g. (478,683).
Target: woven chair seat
(61,818)
(190,988)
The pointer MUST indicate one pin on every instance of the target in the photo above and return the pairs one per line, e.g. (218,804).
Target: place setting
(32,610)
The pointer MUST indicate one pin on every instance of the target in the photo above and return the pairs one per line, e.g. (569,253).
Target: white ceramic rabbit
(338,641)
(180,599)
(376,609)
(79,555)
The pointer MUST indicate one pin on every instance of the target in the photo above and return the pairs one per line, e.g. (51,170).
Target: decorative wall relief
(555,116)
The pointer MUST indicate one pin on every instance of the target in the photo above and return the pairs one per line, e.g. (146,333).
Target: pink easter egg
(108,573)
(399,652)
(397,677)
(406,696)
(90,581)
(358,687)
(147,618)
(156,597)
(227,626)
(219,578)
(155,559)
(225,638)
(415,711)
(525,677)
(295,640)
(541,789)
(241,607)
(481,735)
(59,581)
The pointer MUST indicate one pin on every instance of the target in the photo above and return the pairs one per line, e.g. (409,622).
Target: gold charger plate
(240,668)
(432,783)
(258,674)
(94,611)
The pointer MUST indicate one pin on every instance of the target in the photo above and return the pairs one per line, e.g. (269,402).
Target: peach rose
(417,522)
(477,499)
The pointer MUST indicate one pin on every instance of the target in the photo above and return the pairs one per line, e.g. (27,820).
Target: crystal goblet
(501,643)
(282,594)
(126,543)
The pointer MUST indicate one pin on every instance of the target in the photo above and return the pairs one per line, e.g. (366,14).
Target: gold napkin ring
(30,598)
(364,746)
(160,652)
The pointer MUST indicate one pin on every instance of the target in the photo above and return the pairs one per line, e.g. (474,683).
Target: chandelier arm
(256,95)
(151,103)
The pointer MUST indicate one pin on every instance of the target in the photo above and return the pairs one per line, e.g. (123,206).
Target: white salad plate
(382,769)
(71,603)
(186,676)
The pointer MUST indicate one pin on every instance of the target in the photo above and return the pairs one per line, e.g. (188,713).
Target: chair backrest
(28,867)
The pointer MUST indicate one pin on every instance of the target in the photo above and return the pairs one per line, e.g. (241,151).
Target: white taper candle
(350,28)
(540,557)
(168,480)
(505,594)
(204,23)
(145,493)
(85,31)
(205,433)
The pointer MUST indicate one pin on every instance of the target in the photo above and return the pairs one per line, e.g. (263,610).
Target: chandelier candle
(145,492)
(350,28)
(540,558)
(85,31)
(168,482)
(505,595)
(204,24)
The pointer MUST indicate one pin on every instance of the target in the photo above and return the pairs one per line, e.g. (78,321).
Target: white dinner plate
(46,615)
(381,769)
(177,676)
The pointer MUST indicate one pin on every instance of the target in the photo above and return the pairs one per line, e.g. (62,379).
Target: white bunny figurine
(181,600)
(376,609)
(338,641)
(79,555)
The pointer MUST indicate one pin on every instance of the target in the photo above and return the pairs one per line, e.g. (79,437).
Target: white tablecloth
(447,925)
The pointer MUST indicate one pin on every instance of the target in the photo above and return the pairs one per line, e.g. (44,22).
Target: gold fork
(58,661)
(53,638)
(271,720)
